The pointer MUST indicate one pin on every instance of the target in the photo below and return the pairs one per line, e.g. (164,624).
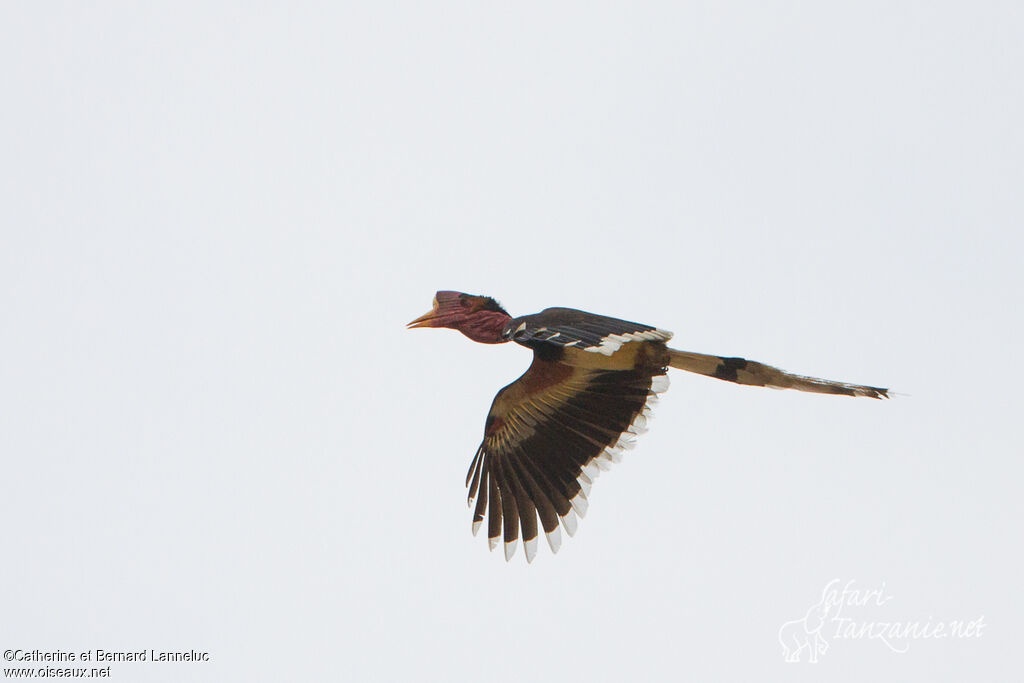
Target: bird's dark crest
(481,303)
(447,299)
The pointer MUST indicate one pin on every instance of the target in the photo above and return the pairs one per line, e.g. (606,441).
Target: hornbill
(587,394)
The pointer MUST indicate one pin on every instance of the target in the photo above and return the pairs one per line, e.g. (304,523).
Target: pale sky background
(217,434)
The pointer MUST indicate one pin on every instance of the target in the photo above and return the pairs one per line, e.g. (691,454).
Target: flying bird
(580,404)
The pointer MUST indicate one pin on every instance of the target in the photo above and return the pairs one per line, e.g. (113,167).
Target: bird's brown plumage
(584,398)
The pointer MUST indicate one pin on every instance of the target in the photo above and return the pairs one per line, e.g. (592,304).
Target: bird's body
(585,397)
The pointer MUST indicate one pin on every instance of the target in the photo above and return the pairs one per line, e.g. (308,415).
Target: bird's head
(478,317)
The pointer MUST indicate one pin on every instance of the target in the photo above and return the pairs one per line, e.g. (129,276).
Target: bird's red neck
(484,326)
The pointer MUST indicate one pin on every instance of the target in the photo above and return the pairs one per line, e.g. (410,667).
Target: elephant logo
(805,634)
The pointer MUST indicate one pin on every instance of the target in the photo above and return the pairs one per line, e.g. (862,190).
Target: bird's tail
(752,373)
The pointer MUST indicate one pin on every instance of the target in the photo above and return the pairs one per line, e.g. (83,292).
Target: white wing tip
(659,383)
(569,522)
(554,539)
(530,548)
(579,504)
(585,484)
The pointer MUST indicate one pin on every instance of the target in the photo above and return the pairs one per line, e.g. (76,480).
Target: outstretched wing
(547,437)
(567,327)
